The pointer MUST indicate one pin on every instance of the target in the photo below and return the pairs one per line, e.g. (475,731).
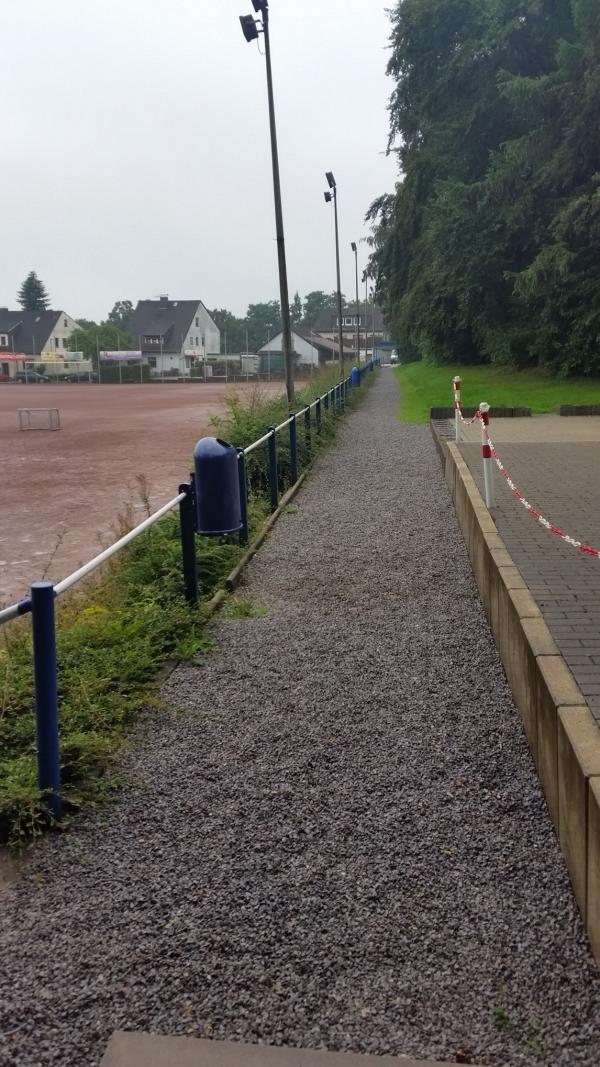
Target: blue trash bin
(218,505)
(355,377)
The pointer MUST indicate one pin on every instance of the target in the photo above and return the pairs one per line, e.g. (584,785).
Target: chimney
(163,301)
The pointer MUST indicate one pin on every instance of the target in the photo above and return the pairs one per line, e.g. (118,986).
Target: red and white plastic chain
(581,545)
(466,422)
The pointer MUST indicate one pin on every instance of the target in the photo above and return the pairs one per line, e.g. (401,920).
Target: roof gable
(169,320)
(28,331)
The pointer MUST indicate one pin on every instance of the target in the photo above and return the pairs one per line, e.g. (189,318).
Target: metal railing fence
(41,603)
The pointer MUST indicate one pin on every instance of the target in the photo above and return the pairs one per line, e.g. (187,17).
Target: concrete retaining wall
(562,734)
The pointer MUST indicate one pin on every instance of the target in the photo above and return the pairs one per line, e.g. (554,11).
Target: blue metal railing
(41,604)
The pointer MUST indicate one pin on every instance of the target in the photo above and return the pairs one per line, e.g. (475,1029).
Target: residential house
(33,336)
(310,349)
(173,335)
(327,326)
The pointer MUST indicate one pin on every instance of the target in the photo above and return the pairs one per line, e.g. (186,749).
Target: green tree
(296,310)
(485,251)
(104,338)
(314,304)
(232,328)
(32,295)
(87,324)
(121,315)
(262,321)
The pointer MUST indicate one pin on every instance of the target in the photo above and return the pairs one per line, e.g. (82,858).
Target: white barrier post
(456,383)
(486,451)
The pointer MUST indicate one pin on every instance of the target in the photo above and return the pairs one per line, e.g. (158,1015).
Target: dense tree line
(489,249)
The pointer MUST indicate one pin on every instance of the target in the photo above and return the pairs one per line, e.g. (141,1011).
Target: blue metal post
(46,693)
(293,451)
(318,414)
(273,484)
(187,516)
(244,532)
(307,425)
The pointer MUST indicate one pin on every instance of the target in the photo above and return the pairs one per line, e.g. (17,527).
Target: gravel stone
(335,835)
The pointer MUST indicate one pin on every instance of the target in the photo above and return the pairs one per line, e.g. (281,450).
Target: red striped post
(486,452)
(456,384)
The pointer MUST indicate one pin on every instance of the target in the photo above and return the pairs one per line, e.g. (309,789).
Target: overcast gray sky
(136,155)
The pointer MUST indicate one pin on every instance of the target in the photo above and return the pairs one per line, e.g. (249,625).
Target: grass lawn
(424,386)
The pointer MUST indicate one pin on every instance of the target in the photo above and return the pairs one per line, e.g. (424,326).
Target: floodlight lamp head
(328,197)
(353,246)
(249,28)
(259,5)
(330,179)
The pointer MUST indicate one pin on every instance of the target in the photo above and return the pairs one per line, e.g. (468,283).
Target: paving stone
(555,466)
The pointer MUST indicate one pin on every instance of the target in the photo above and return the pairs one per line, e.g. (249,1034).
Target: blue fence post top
(355,376)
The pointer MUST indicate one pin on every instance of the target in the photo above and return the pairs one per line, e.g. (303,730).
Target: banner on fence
(59,357)
(129,357)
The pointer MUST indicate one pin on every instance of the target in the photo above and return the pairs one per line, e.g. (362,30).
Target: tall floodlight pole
(250,29)
(365,279)
(329,197)
(355,250)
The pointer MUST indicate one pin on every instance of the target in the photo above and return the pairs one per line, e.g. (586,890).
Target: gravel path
(339,839)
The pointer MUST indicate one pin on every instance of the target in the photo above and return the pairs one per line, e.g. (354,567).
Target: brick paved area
(555,462)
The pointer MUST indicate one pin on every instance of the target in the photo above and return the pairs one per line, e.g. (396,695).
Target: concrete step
(152,1050)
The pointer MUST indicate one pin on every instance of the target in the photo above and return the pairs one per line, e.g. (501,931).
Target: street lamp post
(355,250)
(365,279)
(250,29)
(329,197)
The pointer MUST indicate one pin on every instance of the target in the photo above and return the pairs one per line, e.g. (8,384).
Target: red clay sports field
(70,485)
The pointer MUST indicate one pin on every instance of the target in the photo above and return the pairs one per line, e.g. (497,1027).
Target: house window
(203,343)
(191,342)
(151,339)
(197,321)
(66,324)
(4,339)
(152,361)
(348,320)
(196,342)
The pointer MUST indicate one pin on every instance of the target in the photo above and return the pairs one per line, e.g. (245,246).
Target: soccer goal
(39,418)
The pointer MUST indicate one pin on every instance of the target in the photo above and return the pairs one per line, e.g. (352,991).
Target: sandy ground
(60,492)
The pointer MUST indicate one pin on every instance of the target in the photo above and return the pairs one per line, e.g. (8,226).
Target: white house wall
(56,344)
(204,337)
(308,354)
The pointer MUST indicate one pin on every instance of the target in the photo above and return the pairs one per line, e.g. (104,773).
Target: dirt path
(337,838)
